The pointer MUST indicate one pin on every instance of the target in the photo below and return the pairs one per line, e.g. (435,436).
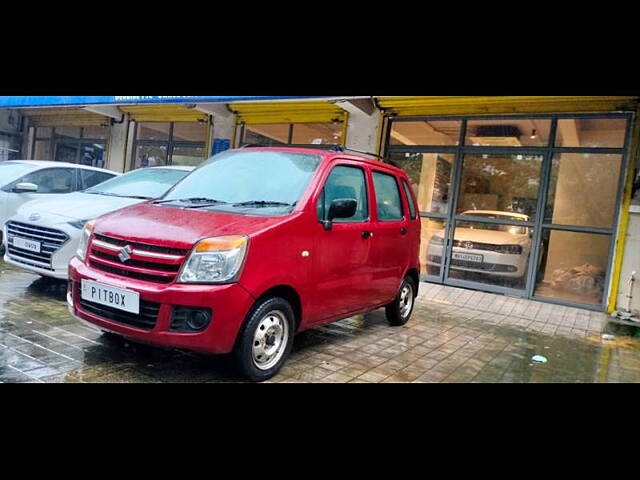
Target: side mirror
(25,188)
(340,208)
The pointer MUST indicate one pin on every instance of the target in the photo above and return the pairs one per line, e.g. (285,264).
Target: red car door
(342,255)
(391,240)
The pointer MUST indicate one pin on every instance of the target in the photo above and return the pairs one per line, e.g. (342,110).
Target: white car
(496,250)
(43,235)
(22,181)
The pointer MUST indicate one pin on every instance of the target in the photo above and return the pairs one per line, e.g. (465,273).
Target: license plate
(468,257)
(109,296)
(25,244)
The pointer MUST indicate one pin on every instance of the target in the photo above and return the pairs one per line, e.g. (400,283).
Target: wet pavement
(454,335)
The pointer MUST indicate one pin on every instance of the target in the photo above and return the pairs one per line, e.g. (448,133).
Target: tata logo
(34,217)
(125,254)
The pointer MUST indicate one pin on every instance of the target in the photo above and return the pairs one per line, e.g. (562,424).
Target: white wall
(630,263)
(362,131)
(118,146)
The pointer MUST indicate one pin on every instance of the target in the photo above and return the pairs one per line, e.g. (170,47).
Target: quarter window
(387,197)
(92,177)
(412,206)
(345,182)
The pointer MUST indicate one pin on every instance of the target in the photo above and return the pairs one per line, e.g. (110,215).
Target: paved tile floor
(455,335)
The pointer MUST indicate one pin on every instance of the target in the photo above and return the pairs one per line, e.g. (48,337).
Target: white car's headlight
(215,260)
(83,245)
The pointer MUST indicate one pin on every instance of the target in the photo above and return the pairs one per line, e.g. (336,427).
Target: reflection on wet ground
(455,335)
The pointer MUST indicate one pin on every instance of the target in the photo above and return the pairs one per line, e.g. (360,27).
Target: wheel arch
(415,275)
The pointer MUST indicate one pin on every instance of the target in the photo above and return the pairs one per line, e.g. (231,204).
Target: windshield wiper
(201,202)
(120,196)
(263,204)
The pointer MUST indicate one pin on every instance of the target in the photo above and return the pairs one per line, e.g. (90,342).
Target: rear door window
(412,206)
(89,178)
(345,182)
(387,197)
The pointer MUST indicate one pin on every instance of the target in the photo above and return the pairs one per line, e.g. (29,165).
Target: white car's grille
(50,242)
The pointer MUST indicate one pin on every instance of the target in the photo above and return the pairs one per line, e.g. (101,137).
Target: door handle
(366,235)
(403,231)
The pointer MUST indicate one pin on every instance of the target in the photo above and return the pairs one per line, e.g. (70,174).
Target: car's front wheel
(399,311)
(265,340)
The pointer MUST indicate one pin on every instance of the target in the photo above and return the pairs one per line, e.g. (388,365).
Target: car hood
(488,236)
(76,206)
(180,228)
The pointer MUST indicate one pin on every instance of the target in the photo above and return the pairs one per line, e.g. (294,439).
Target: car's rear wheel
(399,311)
(265,340)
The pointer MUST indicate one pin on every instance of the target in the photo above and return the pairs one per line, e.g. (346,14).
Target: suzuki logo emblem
(125,254)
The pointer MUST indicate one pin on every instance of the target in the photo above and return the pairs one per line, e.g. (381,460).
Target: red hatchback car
(255,245)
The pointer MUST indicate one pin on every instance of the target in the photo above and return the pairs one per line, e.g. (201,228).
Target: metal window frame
(170,143)
(539,225)
(343,141)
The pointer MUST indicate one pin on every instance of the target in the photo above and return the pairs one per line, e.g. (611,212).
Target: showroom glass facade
(169,143)
(301,134)
(86,145)
(524,205)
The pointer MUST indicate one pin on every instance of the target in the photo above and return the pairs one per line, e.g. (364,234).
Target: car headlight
(437,240)
(79,224)
(215,260)
(83,245)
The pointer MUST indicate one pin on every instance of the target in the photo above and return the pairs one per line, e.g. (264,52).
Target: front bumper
(229,304)
(494,264)
(58,265)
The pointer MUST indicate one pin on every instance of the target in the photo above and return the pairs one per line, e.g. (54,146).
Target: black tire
(243,352)
(396,311)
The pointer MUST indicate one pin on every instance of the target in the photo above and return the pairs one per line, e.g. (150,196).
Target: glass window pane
(491,254)
(430,176)
(409,197)
(90,178)
(190,155)
(276,134)
(572,266)
(93,154)
(317,134)
(96,133)
(583,190)
(387,197)
(10,147)
(153,131)
(52,180)
(500,184)
(591,132)
(426,132)
(190,132)
(150,156)
(66,152)
(346,182)
(431,246)
(71,132)
(517,132)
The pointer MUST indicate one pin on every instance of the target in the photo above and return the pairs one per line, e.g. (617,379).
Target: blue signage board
(220,145)
(44,101)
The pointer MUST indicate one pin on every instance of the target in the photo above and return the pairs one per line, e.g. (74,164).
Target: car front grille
(51,240)
(151,263)
(486,267)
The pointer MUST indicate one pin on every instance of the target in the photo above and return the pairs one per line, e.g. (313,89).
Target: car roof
(184,168)
(49,163)
(330,155)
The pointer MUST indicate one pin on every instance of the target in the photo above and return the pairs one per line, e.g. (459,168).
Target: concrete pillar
(631,263)
(223,127)
(118,146)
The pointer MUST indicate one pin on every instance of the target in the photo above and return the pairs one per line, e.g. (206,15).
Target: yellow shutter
(164,113)
(62,117)
(459,105)
(287,112)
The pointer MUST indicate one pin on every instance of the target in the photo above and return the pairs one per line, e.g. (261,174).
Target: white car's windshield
(497,228)
(143,183)
(255,180)
(10,171)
